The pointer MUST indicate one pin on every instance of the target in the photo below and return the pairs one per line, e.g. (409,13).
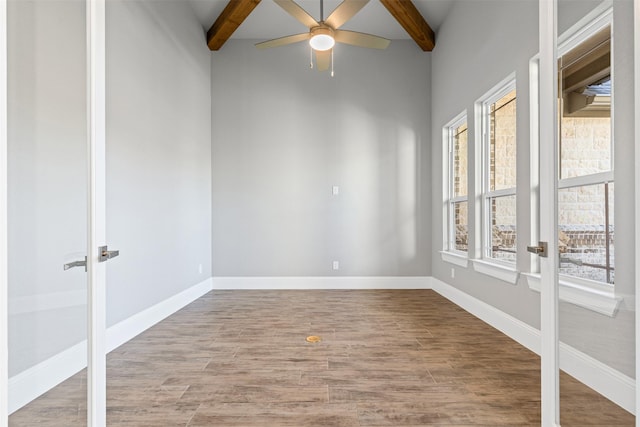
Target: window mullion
(580,181)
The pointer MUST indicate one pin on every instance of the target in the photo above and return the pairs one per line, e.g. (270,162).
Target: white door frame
(96,212)
(4,278)
(548,219)
(548,203)
(636,55)
(96,295)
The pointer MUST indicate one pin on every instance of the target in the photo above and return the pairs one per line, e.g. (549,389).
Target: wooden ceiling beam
(229,20)
(412,21)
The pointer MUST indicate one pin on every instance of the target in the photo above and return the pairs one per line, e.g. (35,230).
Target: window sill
(455,258)
(592,296)
(501,272)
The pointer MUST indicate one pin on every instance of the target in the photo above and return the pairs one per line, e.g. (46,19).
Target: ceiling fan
(325,33)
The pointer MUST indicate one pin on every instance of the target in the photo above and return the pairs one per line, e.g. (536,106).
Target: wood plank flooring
(387,358)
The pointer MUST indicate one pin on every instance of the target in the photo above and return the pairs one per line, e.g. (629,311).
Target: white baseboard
(614,385)
(122,332)
(330,282)
(37,380)
(33,382)
(516,329)
(28,385)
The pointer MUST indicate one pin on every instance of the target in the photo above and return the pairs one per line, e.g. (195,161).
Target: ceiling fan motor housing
(322,37)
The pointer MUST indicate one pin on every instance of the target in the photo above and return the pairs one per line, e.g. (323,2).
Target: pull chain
(331,62)
(310,57)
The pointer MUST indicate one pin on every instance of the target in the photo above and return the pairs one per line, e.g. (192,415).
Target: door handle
(105,254)
(73,264)
(540,250)
(571,261)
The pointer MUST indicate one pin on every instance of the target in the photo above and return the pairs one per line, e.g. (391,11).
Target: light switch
(336,190)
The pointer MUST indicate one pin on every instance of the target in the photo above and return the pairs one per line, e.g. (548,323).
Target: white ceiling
(269,21)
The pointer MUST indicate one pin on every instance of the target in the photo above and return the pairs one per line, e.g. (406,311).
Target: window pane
(585,122)
(502,211)
(586,247)
(502,147)
(461,226)
(585,146)
(460,161)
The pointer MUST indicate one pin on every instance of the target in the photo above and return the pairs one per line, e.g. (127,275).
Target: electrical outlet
(336,265)
(335,190)
(453,273)
(199,268)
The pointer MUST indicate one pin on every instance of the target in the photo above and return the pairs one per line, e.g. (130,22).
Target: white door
(54,279)
(586,154)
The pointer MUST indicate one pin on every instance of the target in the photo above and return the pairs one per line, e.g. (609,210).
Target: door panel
(595,310)
(595,141)
(47,209)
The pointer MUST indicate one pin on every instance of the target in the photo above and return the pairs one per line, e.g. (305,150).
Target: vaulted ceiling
(264,20)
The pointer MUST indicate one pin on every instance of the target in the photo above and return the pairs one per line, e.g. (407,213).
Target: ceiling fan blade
(282,41)
(361,39)
(297,12)
(344,12)
(323,59)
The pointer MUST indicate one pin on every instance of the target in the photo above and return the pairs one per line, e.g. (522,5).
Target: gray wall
(158,153)
(464,67)
(480,43)
(283,135)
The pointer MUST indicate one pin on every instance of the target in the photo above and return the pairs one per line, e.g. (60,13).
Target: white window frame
(495,94)
(566,43)
(450,253)
(596,296)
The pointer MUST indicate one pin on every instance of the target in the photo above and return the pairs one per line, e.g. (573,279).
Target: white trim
(636,55)
(4,315)
(39,379)
(459,259)
(35,381)
(456,121)
(27,385)
(330,282)
(449,200)
(594,296)
(591,23)
(505,192)
(498,91)
(548,125)
(534,158)
(507,85)
(607,381)
(523,333)
(498,271)
(612,384)
(127,329)
(446,184)
(96,213)
(585,180)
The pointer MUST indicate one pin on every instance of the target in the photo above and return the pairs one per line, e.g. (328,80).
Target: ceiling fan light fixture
(322,39)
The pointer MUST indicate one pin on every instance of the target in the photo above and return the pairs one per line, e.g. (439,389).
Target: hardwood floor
(387,358)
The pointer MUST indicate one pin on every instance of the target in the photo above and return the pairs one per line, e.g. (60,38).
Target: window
(586,185)
(456,193)
(498,111)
